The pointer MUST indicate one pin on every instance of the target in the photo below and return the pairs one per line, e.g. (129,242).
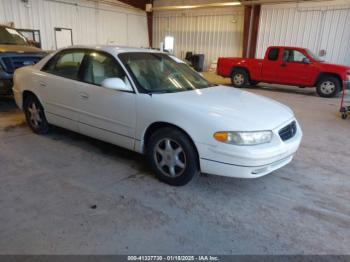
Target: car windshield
(10,36)
(161,73)
(313,56)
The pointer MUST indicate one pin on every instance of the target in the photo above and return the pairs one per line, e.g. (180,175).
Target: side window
(293,56)
(273,54)
(100,67)
(65,64)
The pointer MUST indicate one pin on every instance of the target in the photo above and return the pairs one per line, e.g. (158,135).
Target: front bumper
(249,161)
(347,85)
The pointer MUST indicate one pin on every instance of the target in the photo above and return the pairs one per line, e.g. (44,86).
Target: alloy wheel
(170,158)
(34,115)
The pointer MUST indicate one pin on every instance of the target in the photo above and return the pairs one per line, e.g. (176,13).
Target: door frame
(57,29)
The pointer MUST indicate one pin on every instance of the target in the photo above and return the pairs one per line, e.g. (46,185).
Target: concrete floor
(65,193)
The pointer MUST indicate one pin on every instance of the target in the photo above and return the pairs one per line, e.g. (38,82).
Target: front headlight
(244,138)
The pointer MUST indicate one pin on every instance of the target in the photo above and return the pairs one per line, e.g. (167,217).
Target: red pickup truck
(287,66)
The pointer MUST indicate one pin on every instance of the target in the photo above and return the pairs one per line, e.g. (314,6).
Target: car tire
(172,156)
(35,115)
(240,78)
(328,86)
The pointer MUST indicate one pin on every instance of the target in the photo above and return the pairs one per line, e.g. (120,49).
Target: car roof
(112,48)
(286,47)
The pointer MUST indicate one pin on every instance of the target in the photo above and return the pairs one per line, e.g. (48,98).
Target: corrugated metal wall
(91,23)
(314,27)
(213,32)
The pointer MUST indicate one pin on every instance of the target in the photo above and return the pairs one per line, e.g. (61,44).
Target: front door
(106,114)
(296,69)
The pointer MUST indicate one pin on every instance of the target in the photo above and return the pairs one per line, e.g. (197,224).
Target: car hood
(228,107)
(19,49)
(335,66)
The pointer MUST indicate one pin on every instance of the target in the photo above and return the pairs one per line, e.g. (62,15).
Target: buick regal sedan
(153,103)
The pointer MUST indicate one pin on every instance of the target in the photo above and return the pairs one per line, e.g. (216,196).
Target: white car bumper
(249,161)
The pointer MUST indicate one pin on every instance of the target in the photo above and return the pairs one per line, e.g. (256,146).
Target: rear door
(58,82)
(271,64)
(109,115)
(296,69)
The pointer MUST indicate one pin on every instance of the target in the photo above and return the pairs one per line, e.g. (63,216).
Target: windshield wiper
(162,92)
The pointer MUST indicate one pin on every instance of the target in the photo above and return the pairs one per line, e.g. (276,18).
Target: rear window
(273,54)
(65,64)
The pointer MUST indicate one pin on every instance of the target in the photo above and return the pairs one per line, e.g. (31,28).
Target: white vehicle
(153,103)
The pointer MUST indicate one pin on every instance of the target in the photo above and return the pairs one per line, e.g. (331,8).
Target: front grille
(11,63)
(288,131)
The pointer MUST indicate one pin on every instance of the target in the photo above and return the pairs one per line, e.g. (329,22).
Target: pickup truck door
(296,69)
(270,66)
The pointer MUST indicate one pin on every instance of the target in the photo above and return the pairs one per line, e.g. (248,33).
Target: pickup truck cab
(15,52)
(287,66)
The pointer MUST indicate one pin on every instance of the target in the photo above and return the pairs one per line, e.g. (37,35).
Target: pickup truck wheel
(35,115)
(172,157)
(239,78)
(328,87)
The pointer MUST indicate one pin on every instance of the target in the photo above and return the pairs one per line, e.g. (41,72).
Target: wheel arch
(325,74)
(241,68)
(160,124)
(26,94)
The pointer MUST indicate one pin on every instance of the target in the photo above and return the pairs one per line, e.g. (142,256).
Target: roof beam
(141,4)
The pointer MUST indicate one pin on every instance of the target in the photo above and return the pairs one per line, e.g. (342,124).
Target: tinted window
(273,54)
(66,64)
(100,67)
(293,56)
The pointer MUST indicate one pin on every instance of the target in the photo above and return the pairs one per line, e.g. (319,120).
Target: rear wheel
(239,78)
(35,115)
(328,86)
(172,157)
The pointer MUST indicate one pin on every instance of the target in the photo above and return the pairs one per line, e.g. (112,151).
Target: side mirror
(115,84)
(306,61)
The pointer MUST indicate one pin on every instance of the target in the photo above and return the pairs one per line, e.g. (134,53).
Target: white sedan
(153,103)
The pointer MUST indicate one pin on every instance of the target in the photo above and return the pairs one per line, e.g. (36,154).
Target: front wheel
(172,157)
(35,115)
(328,87)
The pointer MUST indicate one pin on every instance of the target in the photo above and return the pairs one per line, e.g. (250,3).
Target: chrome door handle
(84,95)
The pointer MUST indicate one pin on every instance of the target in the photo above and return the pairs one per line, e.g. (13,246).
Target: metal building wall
(91,23)
(213,32)
(318,27)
